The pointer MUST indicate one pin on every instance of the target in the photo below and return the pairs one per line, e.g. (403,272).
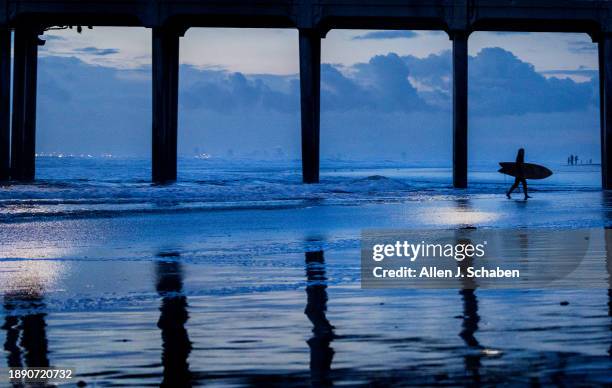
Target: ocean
(239,275)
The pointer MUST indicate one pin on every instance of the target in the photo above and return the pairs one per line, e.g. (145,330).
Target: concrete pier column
(605,76)
(5,104)
(460,108)
(310,95)
(165,103)
(23,138)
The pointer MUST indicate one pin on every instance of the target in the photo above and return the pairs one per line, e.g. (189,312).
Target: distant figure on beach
(520,176)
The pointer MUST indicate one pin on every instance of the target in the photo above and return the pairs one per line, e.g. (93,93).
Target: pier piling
(23,138)
(460,108)
(165,103)
(605,72)
(169,20)
(5,103)
(310,94)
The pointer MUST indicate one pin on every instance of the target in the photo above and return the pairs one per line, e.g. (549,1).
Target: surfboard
(530,170)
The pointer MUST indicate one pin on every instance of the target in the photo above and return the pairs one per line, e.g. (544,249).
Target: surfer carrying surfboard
(520,174)
(522,171)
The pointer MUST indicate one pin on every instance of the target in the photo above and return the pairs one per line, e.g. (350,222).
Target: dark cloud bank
(389,108)
(97,51)
(391,34)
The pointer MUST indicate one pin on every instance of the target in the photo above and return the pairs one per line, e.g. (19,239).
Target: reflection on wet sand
(176,345)
(468,331)
(608,243)
(607,216)
(26,338)
(469,326)
(321,353)
(463,214)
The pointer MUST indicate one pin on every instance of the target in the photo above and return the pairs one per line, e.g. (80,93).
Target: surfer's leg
(524,182)
(514,186)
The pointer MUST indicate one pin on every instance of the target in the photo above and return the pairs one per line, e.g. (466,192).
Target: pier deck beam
(165,103)
(605,75)
(5,104)
(310,95)
(23,138)
(460,108)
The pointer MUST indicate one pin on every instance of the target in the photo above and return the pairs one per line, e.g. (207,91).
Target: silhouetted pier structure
(169,19)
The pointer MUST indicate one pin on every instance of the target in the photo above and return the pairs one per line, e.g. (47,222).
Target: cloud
(432,77)
(391,34)
(48,37)
(97,51)
(499,84)
(503,84)
(580,72)
(509,32)
(230,92)
(380,85)
(582,47)
(386,77)
(404,102)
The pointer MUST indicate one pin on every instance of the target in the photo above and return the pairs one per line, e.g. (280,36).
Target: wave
(101,192)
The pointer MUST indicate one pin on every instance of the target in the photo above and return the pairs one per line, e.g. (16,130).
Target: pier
(168,20)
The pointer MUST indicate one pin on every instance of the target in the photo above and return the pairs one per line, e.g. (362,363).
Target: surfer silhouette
(520,174)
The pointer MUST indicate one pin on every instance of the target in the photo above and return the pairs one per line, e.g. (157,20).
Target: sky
(385,94)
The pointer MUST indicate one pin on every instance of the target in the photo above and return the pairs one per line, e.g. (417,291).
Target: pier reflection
(606,208)
(607,220)
(608,244)
(26,336)
(321,352)
(469,327)
(470,317)
(176,345)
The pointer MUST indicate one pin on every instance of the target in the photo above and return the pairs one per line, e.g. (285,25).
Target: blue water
(108,186)
(239,275)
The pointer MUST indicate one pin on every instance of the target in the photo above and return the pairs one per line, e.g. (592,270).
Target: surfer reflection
(520,174)
(26,338)
(321,353)
(175,340)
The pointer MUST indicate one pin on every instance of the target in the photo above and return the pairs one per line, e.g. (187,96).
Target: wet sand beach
(271,294)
